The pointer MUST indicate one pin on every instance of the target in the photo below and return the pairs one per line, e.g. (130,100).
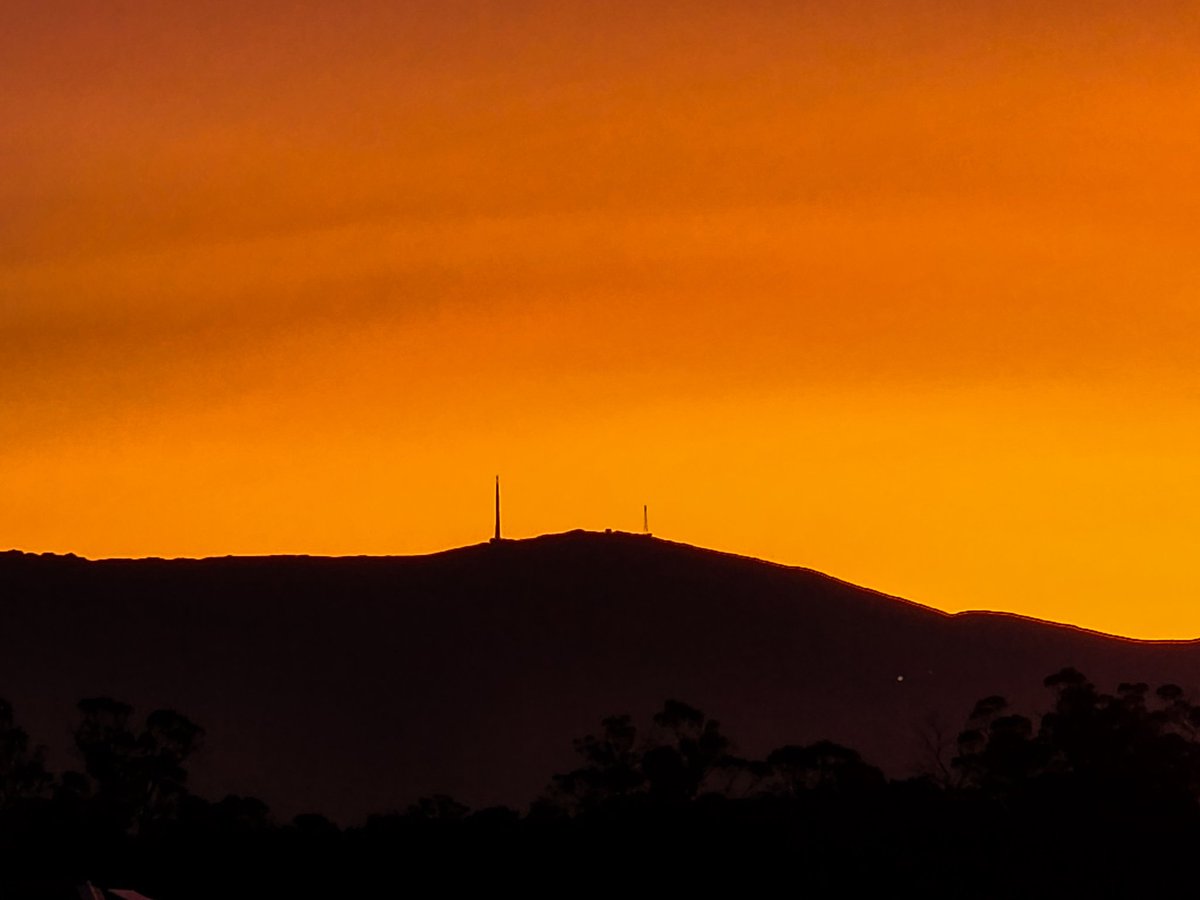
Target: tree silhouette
(691,747)
(438,808)
(23,772)
(936,745)
(1128,756)
(997,750)
(822,766)
(1132,753)
(669,765)
(138,776)
(1030,807)
(612,767)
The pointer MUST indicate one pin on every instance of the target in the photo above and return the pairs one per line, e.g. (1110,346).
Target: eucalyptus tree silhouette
(822,766)
(137,773)
(23,774)
(611,770)
(1131,756)
(668,764)
(691,746)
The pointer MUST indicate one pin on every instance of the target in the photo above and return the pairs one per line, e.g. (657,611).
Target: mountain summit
(356,684)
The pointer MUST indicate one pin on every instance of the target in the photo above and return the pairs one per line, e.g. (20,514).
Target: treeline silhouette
(1098,796)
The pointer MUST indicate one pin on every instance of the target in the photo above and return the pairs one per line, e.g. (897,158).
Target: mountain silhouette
(354,685)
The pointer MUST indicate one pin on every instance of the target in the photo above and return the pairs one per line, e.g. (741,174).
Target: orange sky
(905,292)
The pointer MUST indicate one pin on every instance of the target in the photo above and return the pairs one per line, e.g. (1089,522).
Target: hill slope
(351,685)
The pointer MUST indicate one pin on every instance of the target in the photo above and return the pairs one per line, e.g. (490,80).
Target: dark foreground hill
(354,685)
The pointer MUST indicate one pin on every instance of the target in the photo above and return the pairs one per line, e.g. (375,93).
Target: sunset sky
(905,292)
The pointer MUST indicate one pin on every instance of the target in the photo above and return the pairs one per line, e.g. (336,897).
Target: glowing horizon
(907,296)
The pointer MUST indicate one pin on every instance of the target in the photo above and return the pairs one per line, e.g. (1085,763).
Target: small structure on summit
(496,537)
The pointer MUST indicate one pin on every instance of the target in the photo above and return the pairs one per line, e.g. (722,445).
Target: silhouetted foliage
(690,748)
(669,764)
(138,775)
(440,808)
(823,766)
(611,769)
(1028,806)
(23,774)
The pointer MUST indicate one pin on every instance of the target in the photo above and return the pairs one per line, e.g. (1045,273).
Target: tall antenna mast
(497,537)
(645,519)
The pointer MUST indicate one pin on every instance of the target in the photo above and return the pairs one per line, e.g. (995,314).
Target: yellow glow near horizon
(907,294)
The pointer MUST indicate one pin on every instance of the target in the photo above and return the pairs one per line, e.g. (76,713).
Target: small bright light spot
(899,677)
